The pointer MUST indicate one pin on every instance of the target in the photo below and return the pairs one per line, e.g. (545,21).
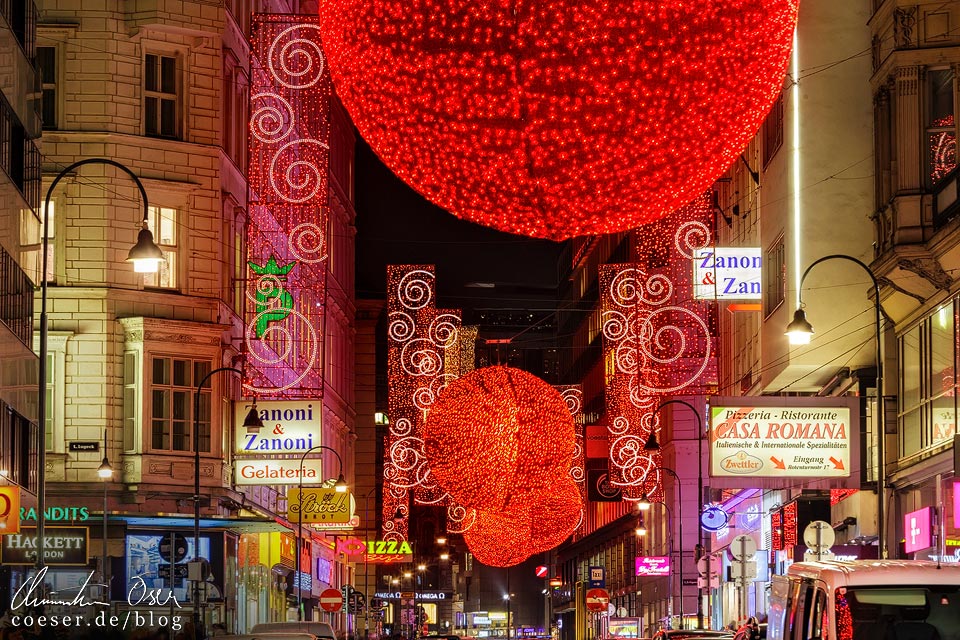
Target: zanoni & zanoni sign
(289,426)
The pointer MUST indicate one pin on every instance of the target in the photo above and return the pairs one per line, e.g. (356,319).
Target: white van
(866,600)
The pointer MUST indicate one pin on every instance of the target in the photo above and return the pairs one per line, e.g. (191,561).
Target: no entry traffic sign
(597,599)
(331,600)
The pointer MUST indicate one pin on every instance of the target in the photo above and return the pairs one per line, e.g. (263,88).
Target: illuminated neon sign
(653,566)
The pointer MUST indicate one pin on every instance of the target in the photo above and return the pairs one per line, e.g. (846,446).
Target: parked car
(321,630)
(294,635)
(692,634)
(743,633)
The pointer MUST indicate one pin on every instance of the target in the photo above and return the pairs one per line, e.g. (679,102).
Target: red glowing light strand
(418,339)
(656,336)
(573,397)
(286,233)
(558,118)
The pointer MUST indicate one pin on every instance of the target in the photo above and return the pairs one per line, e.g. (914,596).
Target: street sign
(819,535)
(179,571)
(179,547)
(743,570)
(714,582)
(597,599)
(743,547)
(690,582)
(598,578)
(541,571)
(331,600)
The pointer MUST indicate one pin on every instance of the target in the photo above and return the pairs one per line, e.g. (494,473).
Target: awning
(176,521)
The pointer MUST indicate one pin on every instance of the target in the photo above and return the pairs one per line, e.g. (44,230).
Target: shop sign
(653,566)
(956,489)
(420,595)
(917,532)
(270,471)
(376,551)
(62,546)
(289,426)
(727,273)
(9,509)
(56,514)
(318,505)
(784,440)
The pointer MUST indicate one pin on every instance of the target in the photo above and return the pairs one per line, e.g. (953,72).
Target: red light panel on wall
(288,172)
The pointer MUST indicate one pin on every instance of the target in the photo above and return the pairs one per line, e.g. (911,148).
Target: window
(774,276)
(772,132)
(47,65)
(941,129)
(161,99)
(927,400)
(55,393)
(130,364)
(162,222)
(172,387)
(236,98)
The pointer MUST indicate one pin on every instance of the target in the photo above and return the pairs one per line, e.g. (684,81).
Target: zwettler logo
(742,463)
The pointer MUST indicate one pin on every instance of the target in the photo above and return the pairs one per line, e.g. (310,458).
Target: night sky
(395,225)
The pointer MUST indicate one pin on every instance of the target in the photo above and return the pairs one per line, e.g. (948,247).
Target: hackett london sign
(783,437)
(62,546)
(277,471)
(289,426)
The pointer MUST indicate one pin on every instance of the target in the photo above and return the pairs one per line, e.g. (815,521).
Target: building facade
(19,232)
(164,91)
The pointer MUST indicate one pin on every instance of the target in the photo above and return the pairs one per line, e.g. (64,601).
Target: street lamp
(644,505)
(679,530)
(143,254)
(105,472)
(799,332)
(340,486)
(251,421)
(700,498)
(366,565)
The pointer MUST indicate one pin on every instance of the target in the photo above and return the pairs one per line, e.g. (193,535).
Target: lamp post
(701,500)
(366,566)
(145,256)
(641,530)
(799,331)
(679,525)
(340,486)
(251,421)
(105,472)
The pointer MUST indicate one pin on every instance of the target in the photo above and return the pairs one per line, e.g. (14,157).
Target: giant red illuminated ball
(558,118)
(530,524)
(496,433)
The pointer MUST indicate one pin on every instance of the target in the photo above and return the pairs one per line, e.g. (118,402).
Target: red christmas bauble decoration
(529,524)
(495,433)
(558,118)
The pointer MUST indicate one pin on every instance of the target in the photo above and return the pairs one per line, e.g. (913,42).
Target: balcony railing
(16,299)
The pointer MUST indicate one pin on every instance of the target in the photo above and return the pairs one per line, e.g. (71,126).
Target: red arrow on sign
(778,464)
(541,571)
(837,464)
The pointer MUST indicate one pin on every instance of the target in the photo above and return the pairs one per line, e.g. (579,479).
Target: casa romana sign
(784,437)
(289,426)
